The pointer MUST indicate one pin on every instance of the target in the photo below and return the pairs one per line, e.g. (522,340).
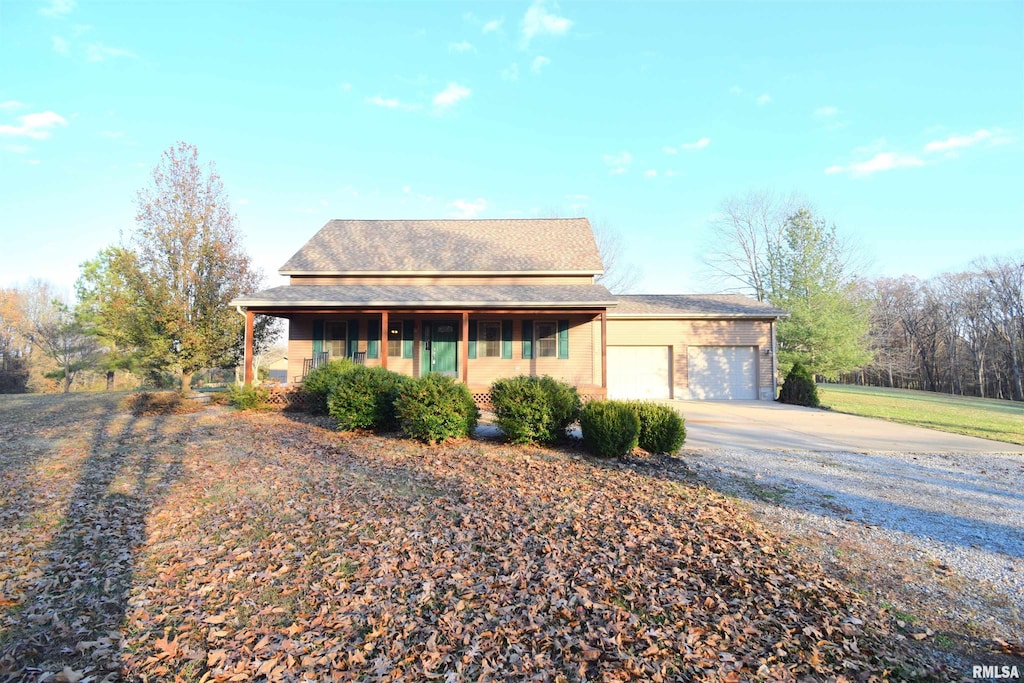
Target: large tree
(59,333)
(190,265)
(777,250)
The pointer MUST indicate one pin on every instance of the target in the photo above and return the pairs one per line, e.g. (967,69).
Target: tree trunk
(186,382)
(68,378)
(110,380)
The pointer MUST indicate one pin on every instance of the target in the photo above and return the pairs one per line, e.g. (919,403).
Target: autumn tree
(190,264)
(107,308)
(60,334)
(13,345)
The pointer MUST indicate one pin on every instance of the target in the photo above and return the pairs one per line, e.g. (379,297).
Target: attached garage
(722,372)
(640,372)
(702,347)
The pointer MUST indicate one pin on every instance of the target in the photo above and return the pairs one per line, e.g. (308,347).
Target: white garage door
(722,372)
(639,372)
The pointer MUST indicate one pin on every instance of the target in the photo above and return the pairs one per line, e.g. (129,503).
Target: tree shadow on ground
(76,601)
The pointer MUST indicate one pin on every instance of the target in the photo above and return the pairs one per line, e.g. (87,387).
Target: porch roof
(429,296)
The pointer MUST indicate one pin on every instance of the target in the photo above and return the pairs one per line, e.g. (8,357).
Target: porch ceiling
(432,296)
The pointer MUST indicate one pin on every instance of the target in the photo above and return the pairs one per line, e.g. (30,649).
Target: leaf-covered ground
(226,546)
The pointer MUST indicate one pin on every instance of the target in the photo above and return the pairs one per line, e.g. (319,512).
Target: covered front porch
(476,346)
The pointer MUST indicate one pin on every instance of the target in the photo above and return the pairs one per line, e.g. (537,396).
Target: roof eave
(421,304)
(698,316)
(438,273)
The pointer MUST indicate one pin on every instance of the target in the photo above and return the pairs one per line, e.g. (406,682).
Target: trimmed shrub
(610,428)
(364,398)
(249,397)
(799,388)
(662,430)
(534,409)
(317,385)
(435,408)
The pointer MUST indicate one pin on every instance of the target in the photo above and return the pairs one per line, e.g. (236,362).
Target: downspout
(775,366)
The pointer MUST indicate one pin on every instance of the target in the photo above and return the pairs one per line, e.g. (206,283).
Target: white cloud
(57,8)
(670,150)
(764,99)
(391,103)
(578,197)
(618,163)
(34,162)
(538,21)
(699,144)
(736,90)
(323,202)
(467,208)
(11,104)
(511,73)
(493,25)
(670,174)
(464,46)
(451,95)
(35,126)
(60,46)
(98,52)
(345,87)
(242,202)
(16,149)
(884,161)
(406,189)
(651,173)
(826,112)
(958,141)
(539,62)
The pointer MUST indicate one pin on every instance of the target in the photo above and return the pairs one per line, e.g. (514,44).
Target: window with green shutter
(527,339)
(409,329)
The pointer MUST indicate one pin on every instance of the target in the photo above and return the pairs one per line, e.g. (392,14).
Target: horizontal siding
(578,369)
(442,280)
(679,334)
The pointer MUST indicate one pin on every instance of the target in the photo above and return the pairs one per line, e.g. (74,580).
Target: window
(547,339)
(489,340)
(334,339)
(395,338)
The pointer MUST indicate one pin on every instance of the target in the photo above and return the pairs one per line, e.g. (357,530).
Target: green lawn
(987,418)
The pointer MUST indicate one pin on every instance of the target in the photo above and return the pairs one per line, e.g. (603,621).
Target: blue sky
(904,123)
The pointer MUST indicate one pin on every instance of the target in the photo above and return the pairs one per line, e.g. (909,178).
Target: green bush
(435,408)
(662,430)
(364,398)
(799,388)
(610,428)
(249,397)
(317,385)
(534,409)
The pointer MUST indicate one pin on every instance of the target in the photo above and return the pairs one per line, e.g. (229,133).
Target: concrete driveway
(771,425)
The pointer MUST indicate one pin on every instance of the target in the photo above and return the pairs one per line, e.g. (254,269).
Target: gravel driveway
(960,511)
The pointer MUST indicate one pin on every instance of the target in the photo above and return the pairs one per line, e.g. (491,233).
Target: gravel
(962,513)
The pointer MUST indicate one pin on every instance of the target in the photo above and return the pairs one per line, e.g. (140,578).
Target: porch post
(384,339)
(465,348)
(604,351)
(249,317)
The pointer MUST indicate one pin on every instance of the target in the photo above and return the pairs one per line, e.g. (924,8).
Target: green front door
(440,352)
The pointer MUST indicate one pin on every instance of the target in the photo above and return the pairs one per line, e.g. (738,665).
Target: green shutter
(353,337)
(472,339)
(527,339)
(506,338)
(407,335)
(318,337)
(563,338)
(373,339)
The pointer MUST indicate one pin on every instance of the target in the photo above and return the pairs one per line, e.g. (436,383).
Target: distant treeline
(957,333)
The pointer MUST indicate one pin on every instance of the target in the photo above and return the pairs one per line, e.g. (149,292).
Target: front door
(440,342)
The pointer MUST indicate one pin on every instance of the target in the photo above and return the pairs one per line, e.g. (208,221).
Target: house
(483,299)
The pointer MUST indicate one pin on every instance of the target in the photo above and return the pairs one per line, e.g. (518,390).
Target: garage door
(722,372)
(639,372)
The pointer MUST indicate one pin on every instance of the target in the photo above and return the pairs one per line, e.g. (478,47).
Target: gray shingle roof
(429,296)
(445,246)
(693,306)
